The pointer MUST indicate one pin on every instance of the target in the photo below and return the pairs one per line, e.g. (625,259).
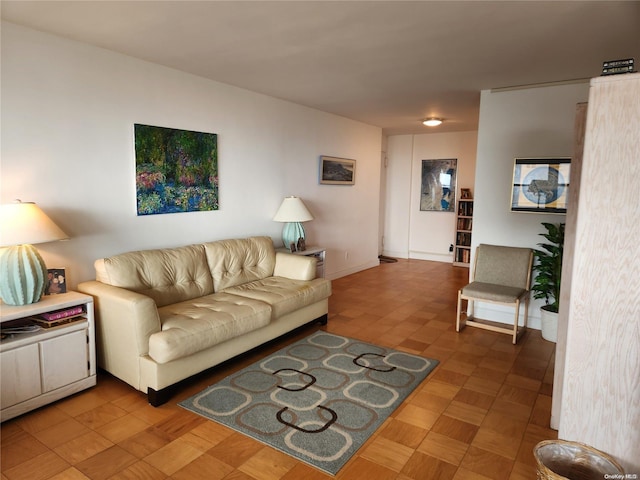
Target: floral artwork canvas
(176,170)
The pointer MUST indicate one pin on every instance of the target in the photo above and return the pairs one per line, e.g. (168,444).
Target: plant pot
(549,324)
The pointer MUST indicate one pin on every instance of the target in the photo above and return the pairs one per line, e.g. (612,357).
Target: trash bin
(563,460)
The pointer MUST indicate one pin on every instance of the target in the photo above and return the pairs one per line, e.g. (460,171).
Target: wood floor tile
(478,416)
(268,464)
(60,433)
(71,473)
(82,447)
(41,419)
(487,463)
(466,412)
(41,467)
(205,467)
(464,474)
(366,469)
(144,443)
(456,429)
(106,463)
(122,428)
(236,449)
(173,456)
(420,417)
(471,397)
(387,453)
(302,471)
(139,470)
(443,448)
(424,466)
(23,447)
(403,433)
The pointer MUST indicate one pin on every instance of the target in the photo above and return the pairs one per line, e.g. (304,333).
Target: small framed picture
(56,281)
(465,193)
(337,171)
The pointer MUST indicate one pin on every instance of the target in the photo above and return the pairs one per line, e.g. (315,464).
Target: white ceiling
(385,63)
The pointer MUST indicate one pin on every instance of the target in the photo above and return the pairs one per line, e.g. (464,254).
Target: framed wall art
(438,185)
(176,170)
(337,171)
(540,185)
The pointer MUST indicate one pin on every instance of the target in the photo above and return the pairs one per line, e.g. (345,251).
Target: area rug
(318,399)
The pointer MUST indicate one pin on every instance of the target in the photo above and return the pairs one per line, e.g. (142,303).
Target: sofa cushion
(189,327)
(167,275)
(238,261)
(283,294)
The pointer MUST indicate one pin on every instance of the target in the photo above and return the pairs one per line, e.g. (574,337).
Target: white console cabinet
(48,364)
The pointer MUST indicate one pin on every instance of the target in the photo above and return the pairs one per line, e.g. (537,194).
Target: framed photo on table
(540,185)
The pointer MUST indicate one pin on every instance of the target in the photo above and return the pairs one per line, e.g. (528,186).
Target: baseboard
(434,257)
(356,269)
(395,254)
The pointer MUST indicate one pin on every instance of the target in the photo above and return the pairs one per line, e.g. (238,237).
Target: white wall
(68,111)
(409,232)
(518,123)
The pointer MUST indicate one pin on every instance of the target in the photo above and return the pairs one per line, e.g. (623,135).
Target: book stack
(615,67)
(58,317)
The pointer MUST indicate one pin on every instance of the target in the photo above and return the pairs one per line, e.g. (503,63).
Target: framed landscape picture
(176,170)
(540,185)
(337,171)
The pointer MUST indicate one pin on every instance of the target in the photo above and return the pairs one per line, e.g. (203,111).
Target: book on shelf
(55,323)
(58,317)
(63,313)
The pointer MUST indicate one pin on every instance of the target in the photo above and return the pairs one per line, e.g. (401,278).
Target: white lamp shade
(24,223)
(292,210)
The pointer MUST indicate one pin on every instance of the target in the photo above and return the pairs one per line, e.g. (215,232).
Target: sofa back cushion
(238,261)
(168,275)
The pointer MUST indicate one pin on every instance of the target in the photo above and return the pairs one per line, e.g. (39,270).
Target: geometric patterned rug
(318,399)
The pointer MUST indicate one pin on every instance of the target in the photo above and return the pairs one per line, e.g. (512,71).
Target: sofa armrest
(124,322)
(295,267)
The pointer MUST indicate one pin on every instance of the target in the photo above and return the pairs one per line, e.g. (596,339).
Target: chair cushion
(192,326)
(284,294)
(492,292)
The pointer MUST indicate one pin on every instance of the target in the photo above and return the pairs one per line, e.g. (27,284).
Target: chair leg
(459,311)
(515,322)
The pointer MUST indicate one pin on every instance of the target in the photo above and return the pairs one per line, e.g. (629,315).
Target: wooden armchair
(501,275)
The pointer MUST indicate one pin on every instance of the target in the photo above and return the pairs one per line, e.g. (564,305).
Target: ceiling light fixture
(432,122)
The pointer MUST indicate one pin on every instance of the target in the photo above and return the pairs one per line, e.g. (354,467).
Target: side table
(317,252)
(48,364)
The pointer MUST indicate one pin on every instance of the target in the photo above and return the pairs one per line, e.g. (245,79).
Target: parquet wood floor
(476,417)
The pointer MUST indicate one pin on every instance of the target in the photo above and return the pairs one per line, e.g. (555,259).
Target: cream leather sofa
(165,315)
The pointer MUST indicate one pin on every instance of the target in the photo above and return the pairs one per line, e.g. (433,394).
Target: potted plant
(546,285)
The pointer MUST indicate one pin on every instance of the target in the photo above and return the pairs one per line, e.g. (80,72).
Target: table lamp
(293,212)
(23,273)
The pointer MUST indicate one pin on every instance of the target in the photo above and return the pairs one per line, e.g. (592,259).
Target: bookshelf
(464,226)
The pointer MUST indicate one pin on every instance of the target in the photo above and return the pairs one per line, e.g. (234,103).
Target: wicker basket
(562,460)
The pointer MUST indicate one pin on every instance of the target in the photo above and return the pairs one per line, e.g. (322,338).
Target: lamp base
(23,275)
(291,233)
